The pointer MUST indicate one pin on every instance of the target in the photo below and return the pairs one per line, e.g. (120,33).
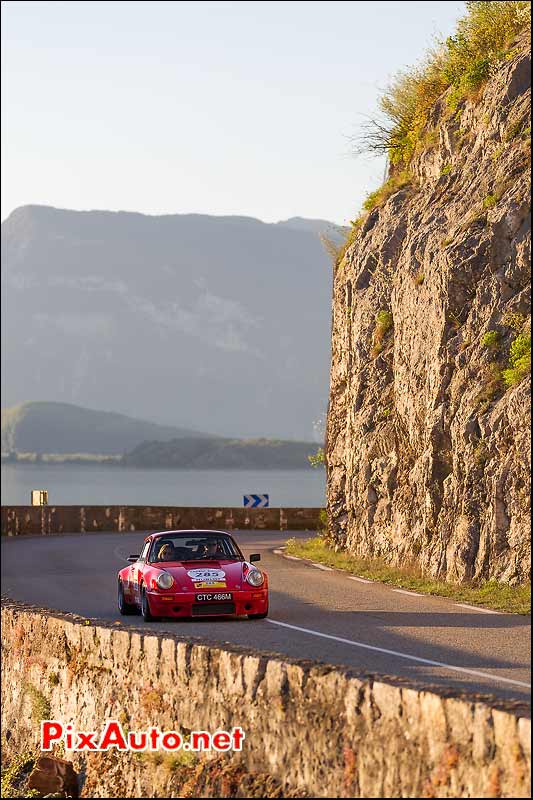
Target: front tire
(145,608)
(124,607)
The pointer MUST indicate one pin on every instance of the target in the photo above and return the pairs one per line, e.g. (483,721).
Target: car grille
(206,609)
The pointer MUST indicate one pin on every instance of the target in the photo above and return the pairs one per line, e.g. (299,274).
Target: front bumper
(184,604)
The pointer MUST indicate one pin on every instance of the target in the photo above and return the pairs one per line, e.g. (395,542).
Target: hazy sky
(212,107)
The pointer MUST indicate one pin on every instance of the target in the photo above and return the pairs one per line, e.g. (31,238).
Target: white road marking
(476,608)
(399,591)
(401,655)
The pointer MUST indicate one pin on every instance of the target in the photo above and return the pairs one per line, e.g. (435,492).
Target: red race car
(192,574)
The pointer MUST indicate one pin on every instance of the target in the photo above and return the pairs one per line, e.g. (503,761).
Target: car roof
(188,531)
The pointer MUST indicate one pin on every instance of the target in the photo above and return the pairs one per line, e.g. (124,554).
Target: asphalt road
(315,613)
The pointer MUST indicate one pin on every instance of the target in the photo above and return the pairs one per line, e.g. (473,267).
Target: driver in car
(166,553)
(211,549)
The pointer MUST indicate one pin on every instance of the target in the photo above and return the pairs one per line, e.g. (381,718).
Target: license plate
(207,596)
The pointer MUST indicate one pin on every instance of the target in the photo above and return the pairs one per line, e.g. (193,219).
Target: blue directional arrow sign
(256,500)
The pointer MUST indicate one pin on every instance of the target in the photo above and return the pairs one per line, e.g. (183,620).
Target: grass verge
(490,594)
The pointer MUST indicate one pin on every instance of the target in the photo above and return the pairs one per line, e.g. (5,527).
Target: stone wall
(320,731)
(20,520)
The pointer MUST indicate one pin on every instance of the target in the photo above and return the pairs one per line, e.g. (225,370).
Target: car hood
(191,575)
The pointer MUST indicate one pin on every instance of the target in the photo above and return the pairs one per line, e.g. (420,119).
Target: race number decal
(206,574)
(208,578)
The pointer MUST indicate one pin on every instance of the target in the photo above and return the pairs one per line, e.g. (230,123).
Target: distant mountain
(221,454)
(64,428)
(61,428)
(317,226)
(213,323)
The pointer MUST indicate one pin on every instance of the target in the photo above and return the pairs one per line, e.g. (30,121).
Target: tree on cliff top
(461,64)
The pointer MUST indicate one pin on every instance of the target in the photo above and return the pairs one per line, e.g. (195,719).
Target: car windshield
(193,547)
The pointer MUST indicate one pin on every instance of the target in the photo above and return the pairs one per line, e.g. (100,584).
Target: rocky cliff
(428,435)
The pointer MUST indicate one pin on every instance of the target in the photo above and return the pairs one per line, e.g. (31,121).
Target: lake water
(107,485)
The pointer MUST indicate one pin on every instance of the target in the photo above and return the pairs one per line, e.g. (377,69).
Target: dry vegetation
(454,69)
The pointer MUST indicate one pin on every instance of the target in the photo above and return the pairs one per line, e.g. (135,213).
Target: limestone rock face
(54,777)
(428,450)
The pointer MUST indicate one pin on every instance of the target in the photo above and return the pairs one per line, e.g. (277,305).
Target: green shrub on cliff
(390,187)
(15,775)
(461,63)
(384,323)
(491,339)
(514,320)
(490,201)
(519,360)
(317,459)
(40,705)
(481,42)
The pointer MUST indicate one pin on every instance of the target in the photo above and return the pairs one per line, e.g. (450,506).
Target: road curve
(315,613)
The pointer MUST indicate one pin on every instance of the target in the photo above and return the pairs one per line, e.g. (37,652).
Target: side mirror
(133,559)
(255,557)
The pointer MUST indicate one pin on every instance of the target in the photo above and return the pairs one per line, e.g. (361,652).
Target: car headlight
(165,580)
(255,578)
